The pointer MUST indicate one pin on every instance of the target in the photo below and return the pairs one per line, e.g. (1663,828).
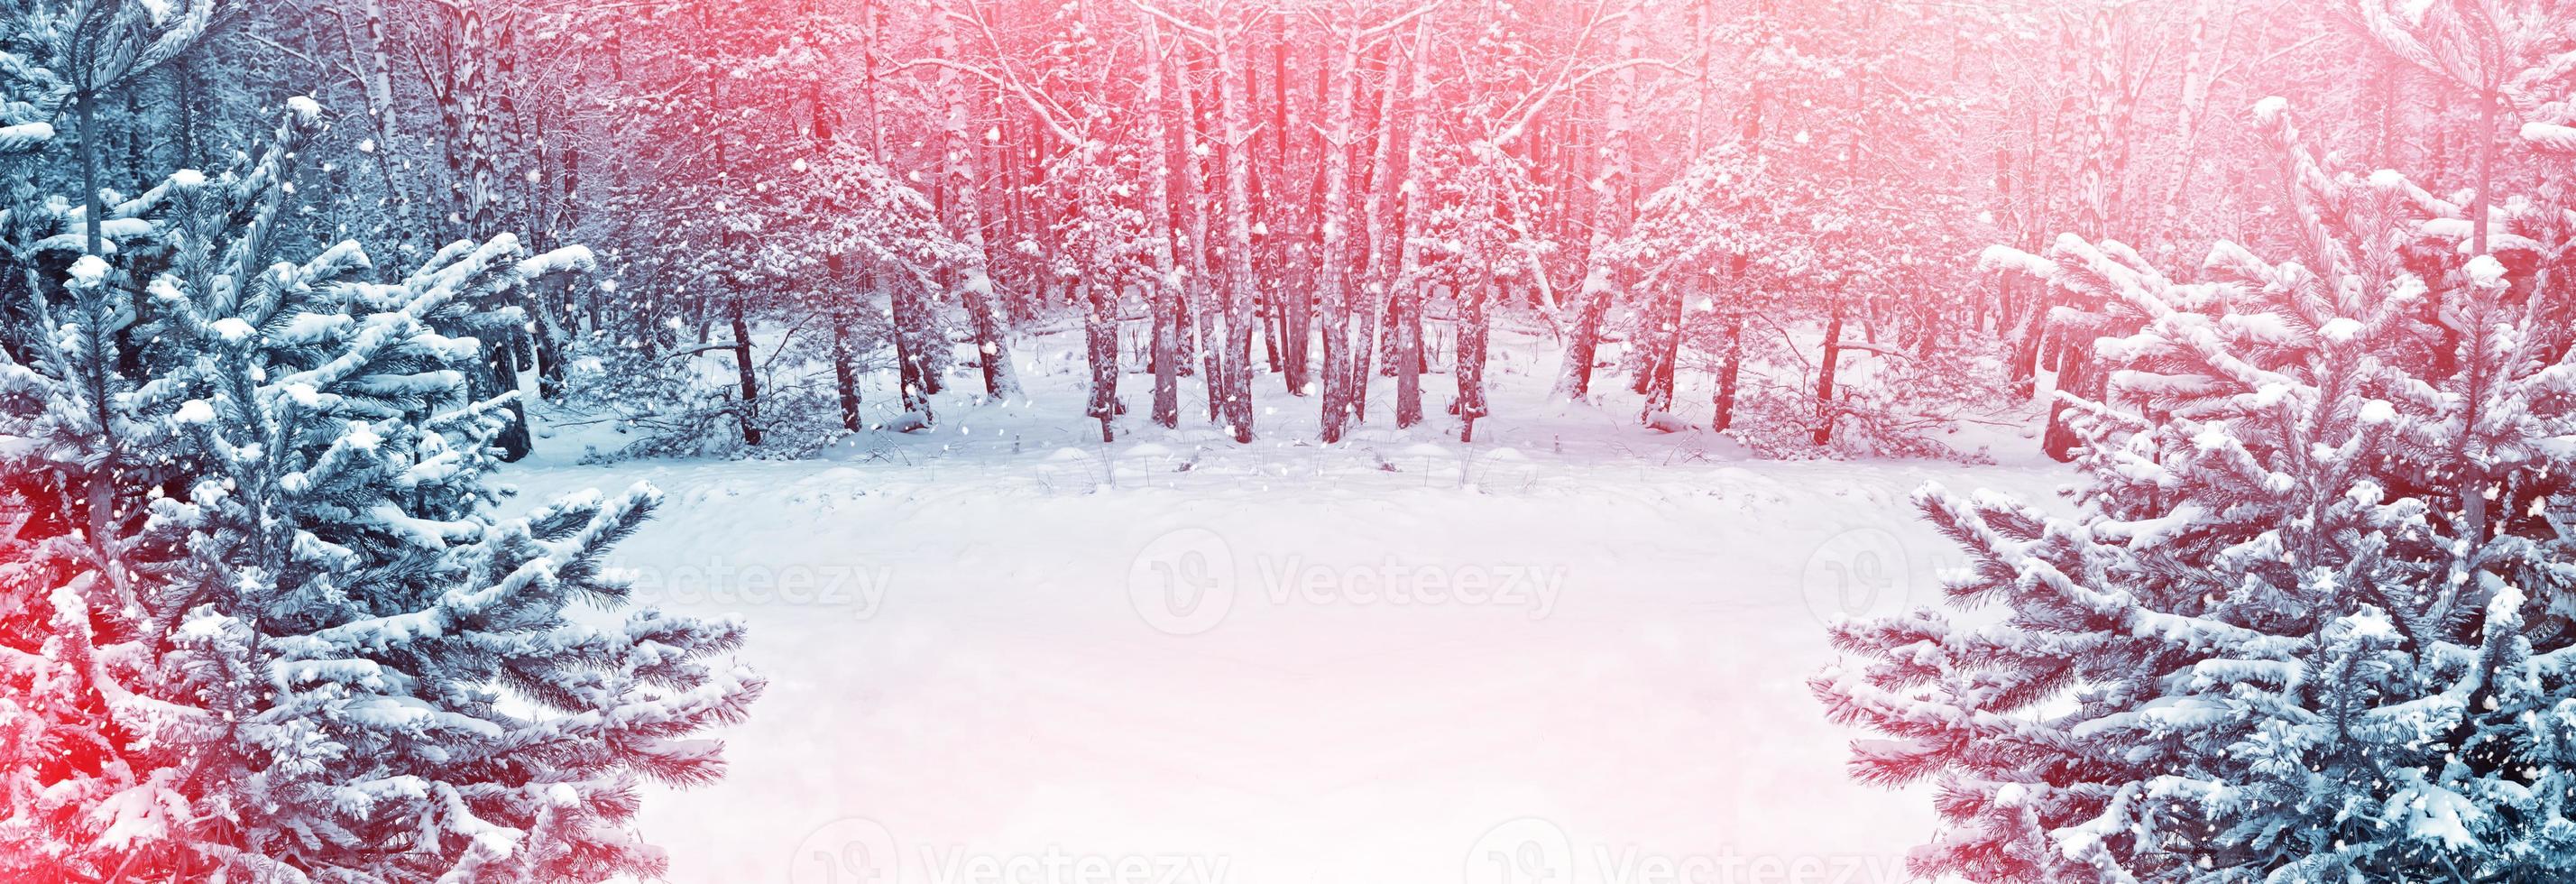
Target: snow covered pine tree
(258,620)
(2316,618)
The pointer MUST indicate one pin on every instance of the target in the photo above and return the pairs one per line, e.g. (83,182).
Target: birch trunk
(1380,212)
(1825,378)
(1613,204)
(1237,124)
(1407,294)
(1332,278)
(1472,337)
(1195,289)
(1164,289)
(974,272)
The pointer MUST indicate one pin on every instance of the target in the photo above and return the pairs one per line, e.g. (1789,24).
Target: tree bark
(1237,123)
(1163,289)
(1203,312)
(1407,296)
(1600,280)
(1383,234)
(911,370)
(1100,341)
(845,375)
(1825,378)
(974,273)
(1730,364)
(1332,276)
(1666,343)
(1472,337)
(1295,303)
(749,414)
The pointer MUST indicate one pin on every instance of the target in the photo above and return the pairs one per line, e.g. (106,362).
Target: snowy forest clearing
(972,656)
(1288,441)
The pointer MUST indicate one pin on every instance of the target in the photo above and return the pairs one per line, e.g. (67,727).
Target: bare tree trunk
(1665,342)
(1472,337)
(1265,309)
(1382,234)
(750,413)
(2097,188)
(1100,343)
(1022,145)
(910,320)
(1405,323)
(932,348)
(1293,302)
(1237,124)
(465,92)
(1825,377)
(1730,364)
(1164,290)
(1583,340)
(845,375)
(974,274)
(1203,310)
(1332,278)
(1600,280)
(376,66)
(2195,99)
(1407,296)
(905,312)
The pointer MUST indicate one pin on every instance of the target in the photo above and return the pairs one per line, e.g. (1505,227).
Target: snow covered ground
(1004,653)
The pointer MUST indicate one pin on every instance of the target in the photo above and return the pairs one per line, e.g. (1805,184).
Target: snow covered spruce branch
(261,617)
(2312,617)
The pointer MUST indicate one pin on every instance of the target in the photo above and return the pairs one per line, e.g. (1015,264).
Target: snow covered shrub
(1902,402)
(669,404)
(259,619)
(2314,619)
(1781,279)
(1889,401)
(683,401)
(782,376)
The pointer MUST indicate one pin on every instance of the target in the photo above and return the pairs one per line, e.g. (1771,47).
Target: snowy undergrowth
(1525,426)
